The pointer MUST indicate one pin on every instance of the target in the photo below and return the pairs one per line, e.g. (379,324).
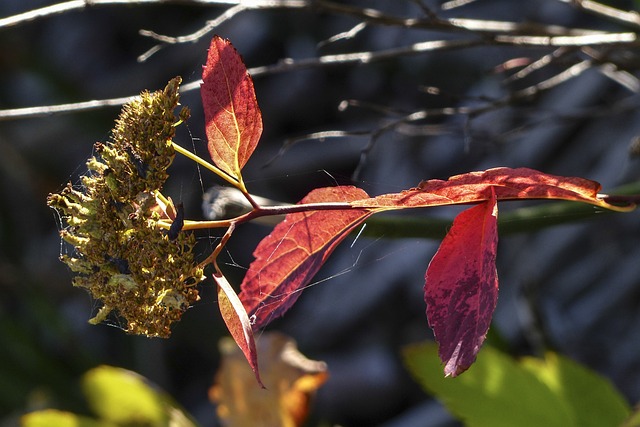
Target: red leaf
(237,321)
(461,285)
(509,184)
(232,117)
(289,257)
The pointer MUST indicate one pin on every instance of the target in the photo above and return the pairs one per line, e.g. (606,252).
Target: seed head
(121,254)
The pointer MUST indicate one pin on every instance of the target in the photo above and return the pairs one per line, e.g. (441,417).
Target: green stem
(207,165)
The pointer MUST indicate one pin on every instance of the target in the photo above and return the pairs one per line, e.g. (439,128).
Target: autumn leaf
(461,282)
(461,285)
(289,257)
(508,184)
(237,321)
(291,380)
(233,120)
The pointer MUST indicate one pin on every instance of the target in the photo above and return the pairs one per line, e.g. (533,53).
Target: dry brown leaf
(290,379)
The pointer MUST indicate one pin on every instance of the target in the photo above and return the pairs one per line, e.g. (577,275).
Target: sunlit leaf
(289,257)
(123,397)
(237,321)
(55,418)
(233,121)
(592,398)
(499,391)
(508,184)
(461,282)
(461,285)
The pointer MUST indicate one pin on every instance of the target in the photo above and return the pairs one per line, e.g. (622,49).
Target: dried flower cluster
(121,254)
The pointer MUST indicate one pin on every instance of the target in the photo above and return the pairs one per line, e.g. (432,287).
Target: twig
(620,16)
(538,64)
(470,112)
(556,41)
(214,23)
(283,66)
(432,23)
(494,32)
(210,25)
(374,16)
(334,60)
(75,107)
(346,35)
(68,6)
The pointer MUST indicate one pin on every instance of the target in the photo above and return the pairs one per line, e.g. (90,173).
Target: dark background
(573,288)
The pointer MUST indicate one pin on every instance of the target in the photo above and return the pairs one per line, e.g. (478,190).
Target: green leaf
(55,418)
(592,398)
(500,391)
(123,397)
(633,420)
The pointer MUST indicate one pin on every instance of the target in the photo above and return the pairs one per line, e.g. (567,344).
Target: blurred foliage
(530,392)
(117,397)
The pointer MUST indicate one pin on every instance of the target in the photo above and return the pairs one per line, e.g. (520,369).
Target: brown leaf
(237,321)
(290,379)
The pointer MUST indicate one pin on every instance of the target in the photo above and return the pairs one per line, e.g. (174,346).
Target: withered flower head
(121,254)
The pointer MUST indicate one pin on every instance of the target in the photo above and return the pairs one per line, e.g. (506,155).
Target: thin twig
(75,5)
(74,107)
(283,66)
(469,112)
(624,17)
(210,25)
(286,65)
(214,23)
(495,32)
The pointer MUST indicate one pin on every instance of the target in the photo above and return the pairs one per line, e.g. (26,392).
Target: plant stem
(207,165)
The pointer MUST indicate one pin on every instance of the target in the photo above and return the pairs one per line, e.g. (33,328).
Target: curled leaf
(237,321)
(461,285)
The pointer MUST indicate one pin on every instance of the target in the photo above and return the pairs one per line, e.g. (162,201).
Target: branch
(620,16)
(68,6)
(374,16)
(491,32)
(283,66)
(75,107)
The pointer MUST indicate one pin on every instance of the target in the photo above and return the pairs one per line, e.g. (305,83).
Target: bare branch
(479,32)
(584,40)
(210,25)
(453,24)
(48,110)
(538,64)
(624,17)
(405,124)
(346,35)
(283,66)
(374,16)
(455,3)
(68,6)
